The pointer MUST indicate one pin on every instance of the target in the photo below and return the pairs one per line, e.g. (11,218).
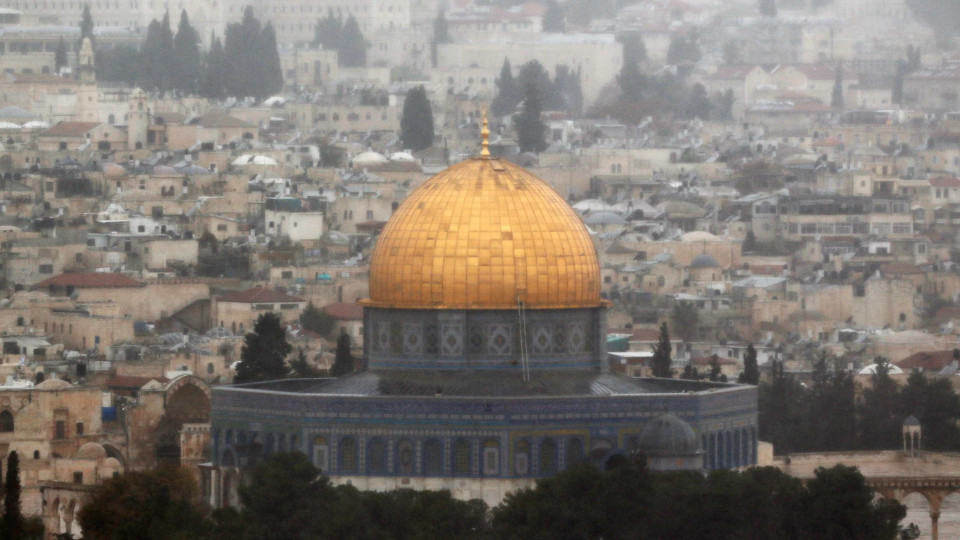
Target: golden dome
(477,236)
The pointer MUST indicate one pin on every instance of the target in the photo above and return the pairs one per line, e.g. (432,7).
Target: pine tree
(353,47)
(187,54)
(663,354)
(343,361)
(553,18)
(506,99)
(416,125)
(241,48)
(13,516)
(441,34)
(264,352)
(158,57)
(716,374)
(836,98)
(698,104)
(60,57)
(633,84)
(529,126)
(328,31)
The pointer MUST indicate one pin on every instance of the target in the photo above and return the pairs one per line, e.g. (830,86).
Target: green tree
(86,27)
(352,46)
(841,506)
(937,406)
(633,84)
(553,18)
(750,242)
(416,124)
(698,104)
(530,128)
(880,419)
(715,370)
(264,352)
(768,8)
(160,504)
(214,76)
(343,361)
(836,97)
(690,373)
(724,105)
(751,372)
(662,354)
(441,34)
(316,320)
(157,56)
(241,50)
(12,516)
(731,53)
(269,64)
(534,73)
(327,33)
(507,95)
(568,88)
(685,320)
(683,49)
(186,51)
(60,57)
(285,498)
(301,368)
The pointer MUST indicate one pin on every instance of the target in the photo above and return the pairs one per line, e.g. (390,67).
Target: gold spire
(484,137)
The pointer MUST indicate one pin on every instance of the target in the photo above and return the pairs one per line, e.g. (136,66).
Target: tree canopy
(343,361)
(264,352)
(530,128)
(416,124)
(663,353)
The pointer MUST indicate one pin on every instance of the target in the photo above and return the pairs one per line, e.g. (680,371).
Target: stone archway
(187,401)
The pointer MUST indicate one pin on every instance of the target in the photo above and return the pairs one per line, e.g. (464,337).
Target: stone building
(485,358)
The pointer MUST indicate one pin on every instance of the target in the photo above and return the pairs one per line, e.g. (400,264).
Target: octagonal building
(485,361)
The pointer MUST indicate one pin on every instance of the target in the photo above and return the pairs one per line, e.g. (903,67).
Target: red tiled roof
(344,310)
(71,129)
(223,120)
(258,295)
(133,381)
(822,71)
(90,280)
(945,181)
(732,72)
(933,360)
(901,268)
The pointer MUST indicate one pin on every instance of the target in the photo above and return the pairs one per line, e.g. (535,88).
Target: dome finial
(485,137)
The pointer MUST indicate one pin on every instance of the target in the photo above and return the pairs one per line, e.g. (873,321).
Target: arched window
(548,457)
(210,369)
(320,453)
(405,457)
(377,456)
(521,458)
(6,421)
(461,457)
(574,452)
(491,457)
(348,456)
(432,458)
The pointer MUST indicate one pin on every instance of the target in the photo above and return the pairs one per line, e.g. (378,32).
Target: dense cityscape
(480,269)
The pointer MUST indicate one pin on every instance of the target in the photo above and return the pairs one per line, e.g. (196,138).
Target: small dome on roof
(668,436)
(704,260)
(699,236)
(91,450)
(54,384)
(911,421)
(163,169)
(402,156)
(9,125)
(113,170)
(369,158)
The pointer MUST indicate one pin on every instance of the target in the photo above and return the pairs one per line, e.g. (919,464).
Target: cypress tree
(836,98)
(528,124)
(60,58)
(264,351)
(86,27)
(751,372)
(269,72)
(416,125)
(241,49)
(327,33)
(662,354)
(13,517)
(213,78)
(187,53)
(441,34)
(352,47)
(343,361)
(506,99)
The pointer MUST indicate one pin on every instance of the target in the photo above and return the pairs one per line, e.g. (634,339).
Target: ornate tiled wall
(482,339)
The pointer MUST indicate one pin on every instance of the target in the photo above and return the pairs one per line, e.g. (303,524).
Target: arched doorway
(918,511)
(187,403)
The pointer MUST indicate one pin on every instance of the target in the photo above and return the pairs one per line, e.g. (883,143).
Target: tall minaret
(87,91)
(138,120)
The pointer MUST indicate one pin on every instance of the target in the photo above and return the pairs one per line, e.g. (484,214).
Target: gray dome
(668,436)
(704,261)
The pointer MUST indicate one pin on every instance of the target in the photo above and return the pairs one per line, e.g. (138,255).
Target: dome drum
(483,339)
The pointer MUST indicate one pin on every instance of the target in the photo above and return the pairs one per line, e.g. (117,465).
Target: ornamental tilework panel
(432,339)
(499,340)
(412,339)
(451,340)
(475,340)
(382,341)
(575,338)
(560,339)
(542,338)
